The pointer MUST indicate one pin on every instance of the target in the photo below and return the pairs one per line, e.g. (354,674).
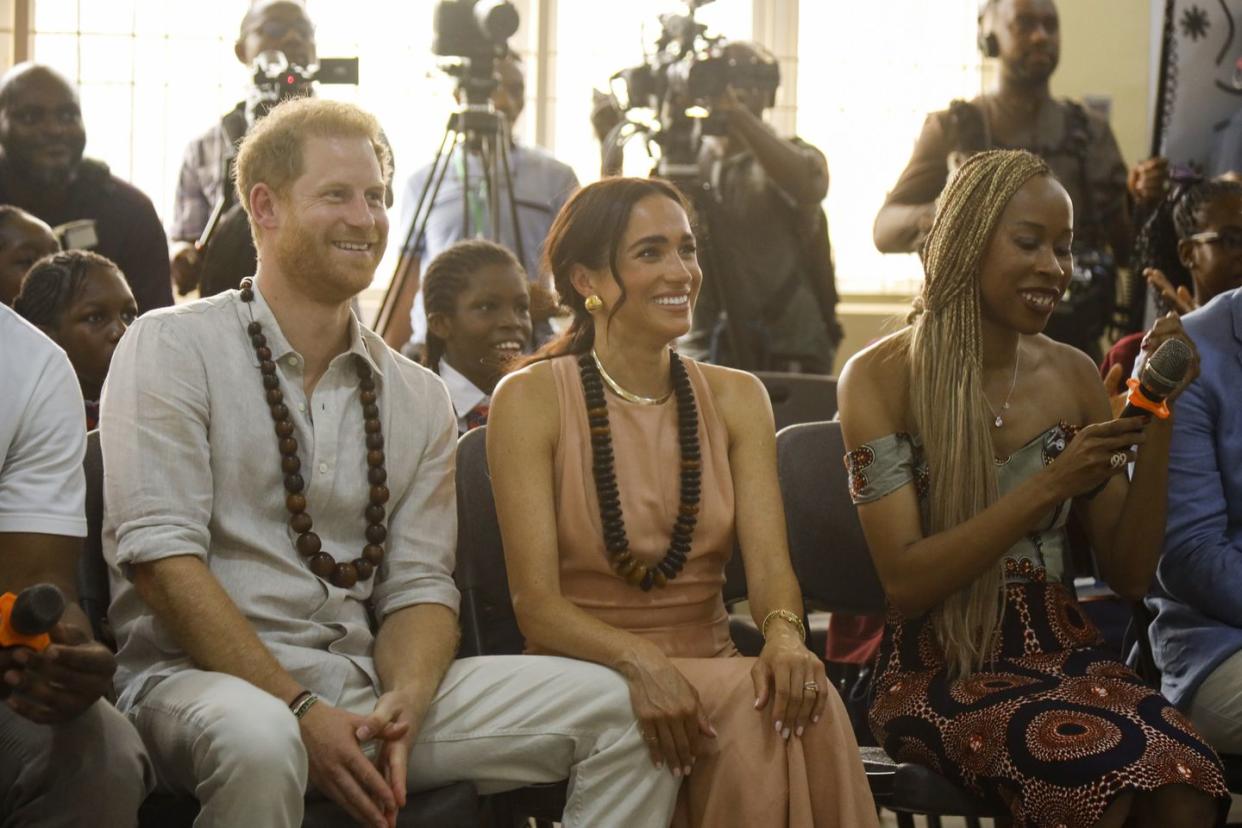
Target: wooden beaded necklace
(615,541)
(308,544)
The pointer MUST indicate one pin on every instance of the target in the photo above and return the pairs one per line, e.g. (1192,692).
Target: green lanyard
(474,196)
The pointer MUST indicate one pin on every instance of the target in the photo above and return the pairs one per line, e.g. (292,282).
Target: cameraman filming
(1024,35)
(768,225)
(269,25)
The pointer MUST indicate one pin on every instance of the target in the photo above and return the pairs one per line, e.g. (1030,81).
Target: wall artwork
(1198,113)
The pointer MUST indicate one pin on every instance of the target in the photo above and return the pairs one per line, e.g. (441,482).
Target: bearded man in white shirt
(247,658)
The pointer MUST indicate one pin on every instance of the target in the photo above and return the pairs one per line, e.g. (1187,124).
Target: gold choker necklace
(627,395)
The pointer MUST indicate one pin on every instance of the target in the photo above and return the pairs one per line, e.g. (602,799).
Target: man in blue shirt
(1197,634)
(541,183)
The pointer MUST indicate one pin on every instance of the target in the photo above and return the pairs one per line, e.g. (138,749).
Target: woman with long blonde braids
(971,437)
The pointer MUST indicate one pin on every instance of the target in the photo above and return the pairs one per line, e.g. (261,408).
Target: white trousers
(499,721)
(1216,709)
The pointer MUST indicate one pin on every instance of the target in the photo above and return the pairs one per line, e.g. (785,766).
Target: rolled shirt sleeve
(422,530)
(154,436)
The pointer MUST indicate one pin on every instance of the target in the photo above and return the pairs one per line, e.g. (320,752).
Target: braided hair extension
(946,367)
(53,283)
(448,276)
(1178,216)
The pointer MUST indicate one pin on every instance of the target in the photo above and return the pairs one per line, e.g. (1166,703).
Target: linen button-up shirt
(192,468)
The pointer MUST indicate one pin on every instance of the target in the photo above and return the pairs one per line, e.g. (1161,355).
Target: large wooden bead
(375,457)
(284,428)
(375,514)
(370,412)
(636,575)
(274,396)
(379,495)
(295,503)
(308,544)
(301,523)
(373,553)
(372,426)
(271,381)
(267,367)
(294,483)
(364,568)
(367,397)
(323,565)
(264,354)
(280,411)
(367,385)
(376,475)
(375,441)
(288,445)
(254,328)
(345,575)
(258,340)
(290,464)
(376,533)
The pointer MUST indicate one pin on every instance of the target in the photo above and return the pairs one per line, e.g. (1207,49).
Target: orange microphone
(26,617)
(1161,374)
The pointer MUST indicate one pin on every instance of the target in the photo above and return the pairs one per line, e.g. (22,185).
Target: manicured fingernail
(815,719)
(785,734)
(778,727)
(798,732)
(677,772)
(693,759)
(686,770)
(363,733)
(659,766)
(756,704)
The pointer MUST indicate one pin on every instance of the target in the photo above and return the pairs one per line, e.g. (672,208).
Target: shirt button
(292,360)
(323,468)
(301,406)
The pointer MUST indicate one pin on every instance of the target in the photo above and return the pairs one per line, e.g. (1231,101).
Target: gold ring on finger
(1118,459)
(811,687)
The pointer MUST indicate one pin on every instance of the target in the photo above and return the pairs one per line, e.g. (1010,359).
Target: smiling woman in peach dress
(623,474)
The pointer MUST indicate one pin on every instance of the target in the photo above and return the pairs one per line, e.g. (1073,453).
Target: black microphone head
(1167,367)
(37,609)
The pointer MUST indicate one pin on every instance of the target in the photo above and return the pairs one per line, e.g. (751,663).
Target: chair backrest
(93,591)
(489,626)
(830,554)
(800,398)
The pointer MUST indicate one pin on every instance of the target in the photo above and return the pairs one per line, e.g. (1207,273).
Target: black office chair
(800,398)
(488,624)
(835,571)
(452,806)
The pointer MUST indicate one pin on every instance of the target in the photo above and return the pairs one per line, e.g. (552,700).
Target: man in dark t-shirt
(42,171)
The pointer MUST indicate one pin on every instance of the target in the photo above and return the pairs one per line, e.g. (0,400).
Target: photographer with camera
(767,223)
(541,186)
(269,25)
(1079,146)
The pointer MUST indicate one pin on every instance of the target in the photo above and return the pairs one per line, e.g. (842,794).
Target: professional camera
(679,82)
(477,31)
(276,79)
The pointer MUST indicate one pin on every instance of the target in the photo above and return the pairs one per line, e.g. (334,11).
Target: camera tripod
(473,129)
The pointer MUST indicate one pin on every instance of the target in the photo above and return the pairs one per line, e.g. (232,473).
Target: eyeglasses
(1230,239)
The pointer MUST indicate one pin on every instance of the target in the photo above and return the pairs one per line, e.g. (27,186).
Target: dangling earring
(593,303)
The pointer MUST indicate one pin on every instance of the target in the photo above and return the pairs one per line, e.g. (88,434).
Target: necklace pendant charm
(998,422)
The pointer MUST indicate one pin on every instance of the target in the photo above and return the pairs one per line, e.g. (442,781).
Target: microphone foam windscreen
(1167,366)
(37,609)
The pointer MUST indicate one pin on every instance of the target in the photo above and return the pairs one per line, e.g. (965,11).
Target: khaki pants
(1216,709)
(499,721)
(88,771)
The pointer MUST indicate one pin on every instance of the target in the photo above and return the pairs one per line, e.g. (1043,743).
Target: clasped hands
(371,792)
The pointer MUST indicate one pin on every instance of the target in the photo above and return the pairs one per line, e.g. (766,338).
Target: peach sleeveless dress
(749,776)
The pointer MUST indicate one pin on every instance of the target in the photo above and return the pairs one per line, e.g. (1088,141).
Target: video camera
(276,79)
(477,32)
(679,82)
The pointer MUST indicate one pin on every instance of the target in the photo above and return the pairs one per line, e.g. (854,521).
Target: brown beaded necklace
(615,541)
(308,544)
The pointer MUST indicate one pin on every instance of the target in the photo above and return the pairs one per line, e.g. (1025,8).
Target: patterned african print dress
(1055,729)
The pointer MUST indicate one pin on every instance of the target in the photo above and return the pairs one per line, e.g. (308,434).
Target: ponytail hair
(448,276)
(588,231)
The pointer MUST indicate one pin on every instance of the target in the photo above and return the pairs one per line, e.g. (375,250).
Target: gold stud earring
(593,303)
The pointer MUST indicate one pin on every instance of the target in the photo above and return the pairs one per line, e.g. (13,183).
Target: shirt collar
(280,347)
(464,393)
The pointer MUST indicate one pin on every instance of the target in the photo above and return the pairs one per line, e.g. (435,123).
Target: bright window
(865,85)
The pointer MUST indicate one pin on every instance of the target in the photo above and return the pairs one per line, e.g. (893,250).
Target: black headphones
(988,44)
